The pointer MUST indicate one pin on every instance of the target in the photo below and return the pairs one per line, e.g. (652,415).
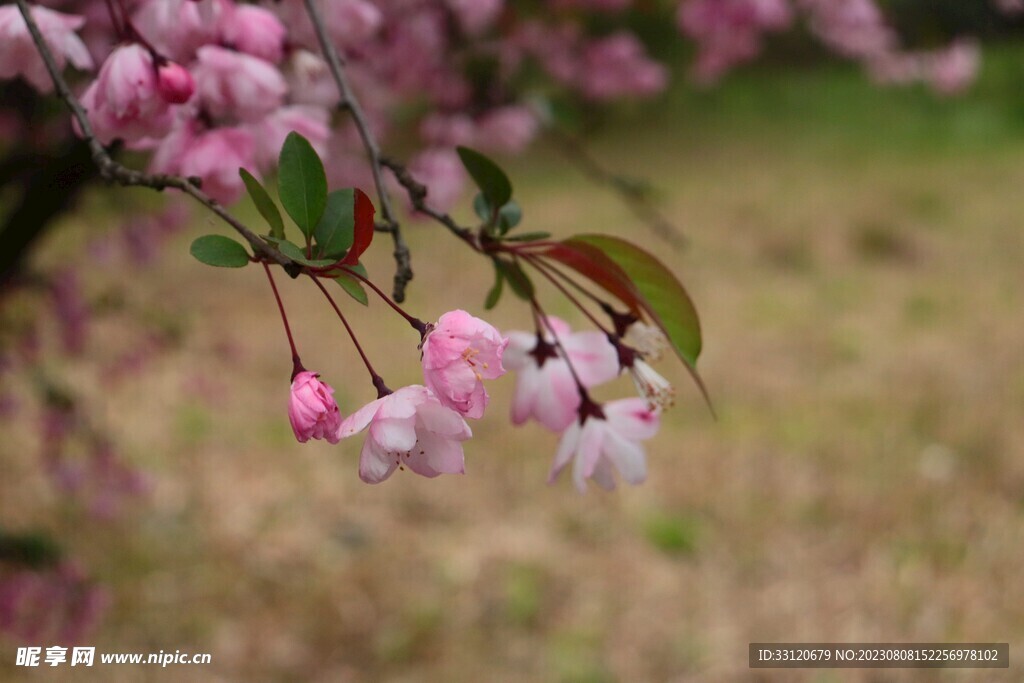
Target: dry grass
(865,481)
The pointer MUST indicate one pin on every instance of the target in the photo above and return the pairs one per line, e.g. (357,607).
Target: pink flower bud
(459,352)
(312,410)
(174,83)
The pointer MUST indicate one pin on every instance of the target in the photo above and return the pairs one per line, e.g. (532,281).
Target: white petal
(394,436)
(374,465)
(630,418)
(357,421)
(627,456)
(589,451)
(566,448)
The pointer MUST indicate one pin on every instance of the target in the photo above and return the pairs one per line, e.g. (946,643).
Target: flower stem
(542,318)
(296,363)
(378,381)
(542,268)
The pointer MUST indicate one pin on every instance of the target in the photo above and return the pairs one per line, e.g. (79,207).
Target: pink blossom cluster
(421,427)
(598,439)
(730,32)
(208,86)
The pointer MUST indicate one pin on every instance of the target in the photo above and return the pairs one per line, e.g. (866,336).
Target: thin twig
(631,190)
(418,195)
(403,265)
(113,171)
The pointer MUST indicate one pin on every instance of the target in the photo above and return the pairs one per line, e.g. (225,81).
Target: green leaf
(517,279)
(217,250)
(302,183)
(595,265)
(297,254)
(665,298)
(509,216)
(334,232)
(487,175)
(482,208)
(354,288)
(264,204)
(495,294)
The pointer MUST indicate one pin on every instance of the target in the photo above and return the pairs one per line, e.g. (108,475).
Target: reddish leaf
(363,232)
(594,264)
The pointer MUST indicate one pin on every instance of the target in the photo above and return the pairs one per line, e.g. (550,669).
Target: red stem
(416,323)
(284,318)
(377,380)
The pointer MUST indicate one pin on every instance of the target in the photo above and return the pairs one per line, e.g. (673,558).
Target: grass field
(858,261)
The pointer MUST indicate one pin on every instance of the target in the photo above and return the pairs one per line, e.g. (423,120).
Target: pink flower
(269,133)
(441,172)
(459,352)
(312,410)
(599,442)
(476,16)
(545,389)
(237,86)
(174,83)
(19,56)
(177,28)
(955,68)
(507,129)
(214,156)
(125,100)
(255,31)
(408,428)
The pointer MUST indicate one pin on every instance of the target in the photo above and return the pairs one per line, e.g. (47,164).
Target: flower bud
(174,83)
(312,410)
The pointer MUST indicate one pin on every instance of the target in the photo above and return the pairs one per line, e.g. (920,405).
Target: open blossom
(459,352)
(312,410)
(408,428)
(19,56)
(476,16)
(605,442)
(545,388)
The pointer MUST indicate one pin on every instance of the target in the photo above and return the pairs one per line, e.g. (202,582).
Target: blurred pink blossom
(177,28)
(440,170)
(125,101)
(255,31)
(214,156)
(19,56)
(235,86)
(174,83)
(476,16)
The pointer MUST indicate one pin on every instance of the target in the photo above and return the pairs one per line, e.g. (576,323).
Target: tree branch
(403,270)
(113,171)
